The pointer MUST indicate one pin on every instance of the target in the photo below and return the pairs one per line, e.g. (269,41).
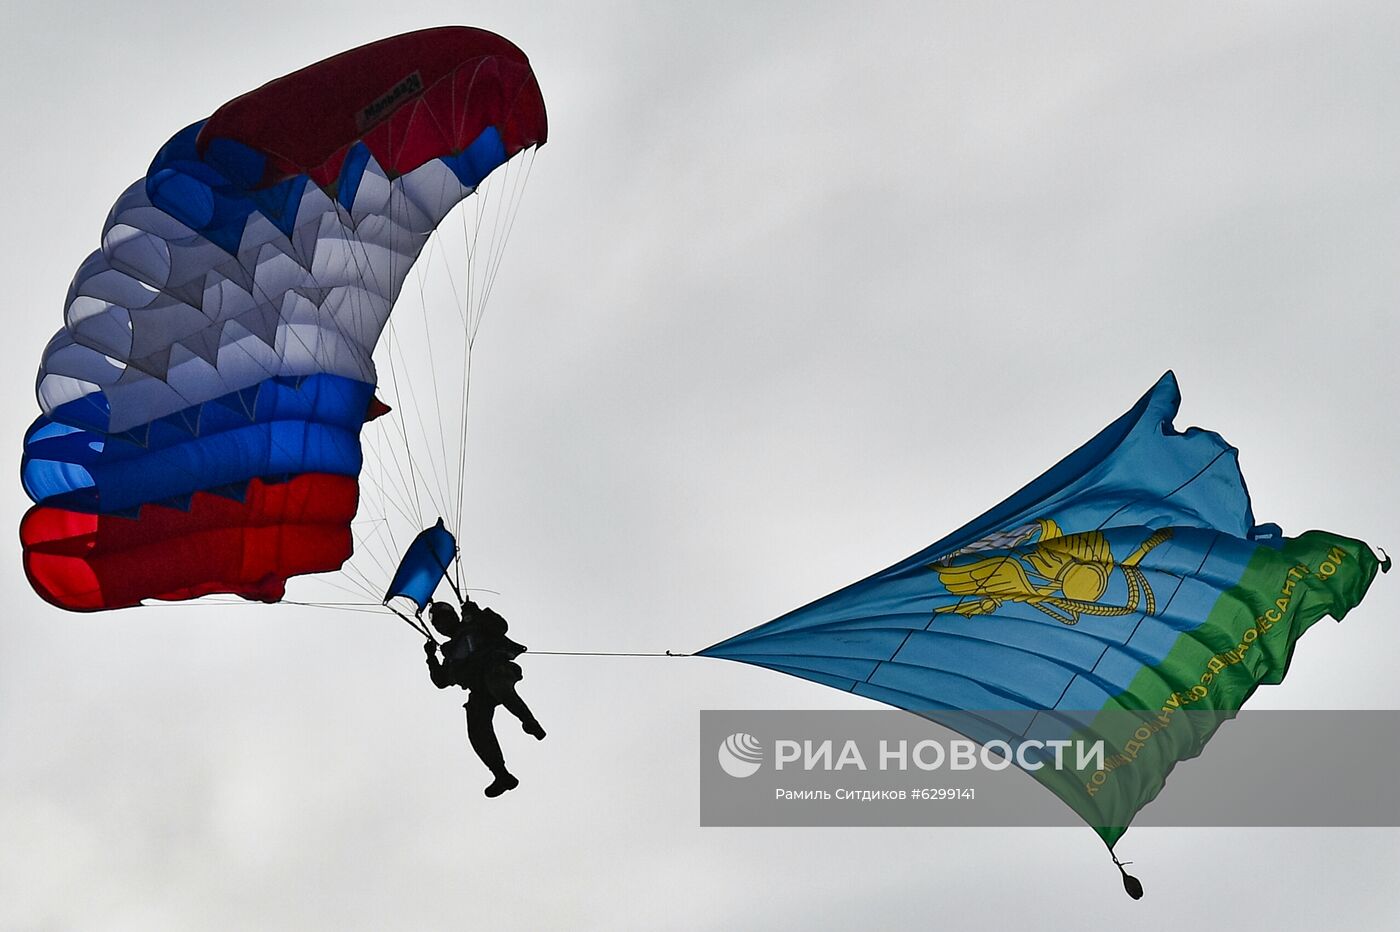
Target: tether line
(604,653)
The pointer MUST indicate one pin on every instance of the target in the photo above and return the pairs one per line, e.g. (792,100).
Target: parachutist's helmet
(444,618)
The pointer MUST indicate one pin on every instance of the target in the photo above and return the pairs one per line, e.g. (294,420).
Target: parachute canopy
(202,405)
(1130,577)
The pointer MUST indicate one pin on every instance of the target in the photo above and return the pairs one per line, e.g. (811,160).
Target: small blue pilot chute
(423,566)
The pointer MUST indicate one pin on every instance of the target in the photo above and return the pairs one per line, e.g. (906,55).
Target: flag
(1129,577)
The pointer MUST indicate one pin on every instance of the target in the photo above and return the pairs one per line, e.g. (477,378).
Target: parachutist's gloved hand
(430,648)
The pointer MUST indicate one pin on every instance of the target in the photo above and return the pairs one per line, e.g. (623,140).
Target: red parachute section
(410,99)
(87,562)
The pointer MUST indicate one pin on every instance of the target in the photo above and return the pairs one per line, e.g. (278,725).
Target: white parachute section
(160,319)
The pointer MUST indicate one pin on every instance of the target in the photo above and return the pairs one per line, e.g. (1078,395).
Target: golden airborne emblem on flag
(1063,576)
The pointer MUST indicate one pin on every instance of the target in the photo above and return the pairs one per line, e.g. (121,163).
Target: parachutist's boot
(532,727)
(504,783)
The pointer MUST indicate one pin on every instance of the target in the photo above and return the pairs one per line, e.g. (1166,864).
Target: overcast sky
(774,267)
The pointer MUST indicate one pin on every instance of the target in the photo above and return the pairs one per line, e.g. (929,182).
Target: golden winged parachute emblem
(1062,575)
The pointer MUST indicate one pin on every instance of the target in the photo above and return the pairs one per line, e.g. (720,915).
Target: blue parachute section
(282,426)
(423,566)
(215,192)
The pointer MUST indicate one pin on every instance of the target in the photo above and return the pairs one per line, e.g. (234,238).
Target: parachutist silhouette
(480,658)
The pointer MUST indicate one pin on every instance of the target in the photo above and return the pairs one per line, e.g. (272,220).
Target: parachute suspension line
(392,484)
(354,575)
(358,607)
(462,459)
(374,476)
(403,430)
(447,266)
(456,589)
(452,498)
(392,499)
(384,499)
(376,536)
(395,485)
(393,371)
(368,606)
(480,282)
(441,500)
(517,197)
(360,590)
(432,364)
(363,582)
(410,475)
(462,317)
(379,527)
(438,504)
(468,338)
(415,623)
(503,220)
(368,281)
(365,608)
